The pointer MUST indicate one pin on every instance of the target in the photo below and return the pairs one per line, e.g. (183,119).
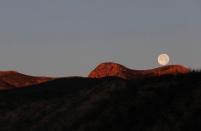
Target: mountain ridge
(14,79)
(114,69)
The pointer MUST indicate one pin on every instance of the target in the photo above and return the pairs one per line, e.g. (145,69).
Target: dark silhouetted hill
(12,79)
(165,103)
(117,70)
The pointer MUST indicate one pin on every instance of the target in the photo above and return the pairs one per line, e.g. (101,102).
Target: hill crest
(118,70)
(13,79)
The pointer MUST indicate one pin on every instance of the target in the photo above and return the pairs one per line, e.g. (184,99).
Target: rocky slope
(114,69)
(12,79)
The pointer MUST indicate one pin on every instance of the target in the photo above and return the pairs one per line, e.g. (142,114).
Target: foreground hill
(167,103)
(12,79)
(117,70)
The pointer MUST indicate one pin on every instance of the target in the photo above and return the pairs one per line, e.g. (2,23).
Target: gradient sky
(70,37)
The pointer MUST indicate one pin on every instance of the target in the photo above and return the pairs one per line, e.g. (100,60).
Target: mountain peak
(117,70)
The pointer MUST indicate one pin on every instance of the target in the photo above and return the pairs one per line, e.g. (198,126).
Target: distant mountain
(166,103)
(117,70)
(12,79)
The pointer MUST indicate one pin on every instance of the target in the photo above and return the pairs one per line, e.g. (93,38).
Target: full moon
(163,59)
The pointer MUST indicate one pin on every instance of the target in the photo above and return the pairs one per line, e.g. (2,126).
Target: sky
(71,37)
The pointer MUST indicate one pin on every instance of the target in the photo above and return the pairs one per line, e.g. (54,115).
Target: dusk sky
(70,37)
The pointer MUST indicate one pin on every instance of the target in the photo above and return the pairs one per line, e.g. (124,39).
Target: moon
(163,59)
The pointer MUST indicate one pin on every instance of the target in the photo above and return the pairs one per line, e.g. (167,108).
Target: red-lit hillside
(117,70)
(12,79)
